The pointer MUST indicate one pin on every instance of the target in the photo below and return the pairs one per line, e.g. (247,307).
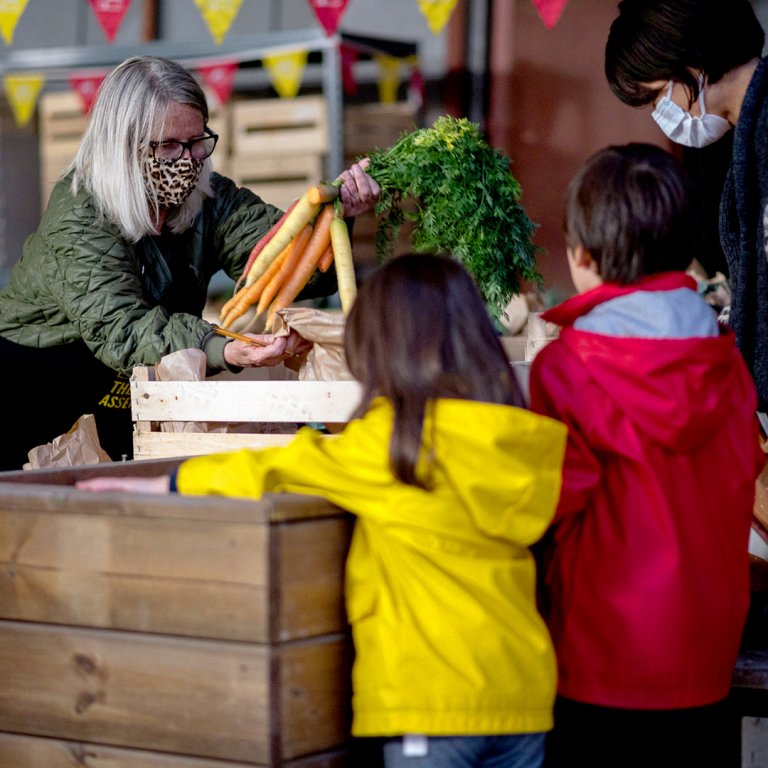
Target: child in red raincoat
(647,572)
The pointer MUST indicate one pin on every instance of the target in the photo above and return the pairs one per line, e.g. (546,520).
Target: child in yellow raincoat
(451,481)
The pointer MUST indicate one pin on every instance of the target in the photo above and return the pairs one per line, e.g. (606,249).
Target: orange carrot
(325,261)
(306,263)
(302,214)
(323,193)
(274,285)
(248,295)
(345,267)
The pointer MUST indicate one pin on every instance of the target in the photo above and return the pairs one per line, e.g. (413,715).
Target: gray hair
(129,111)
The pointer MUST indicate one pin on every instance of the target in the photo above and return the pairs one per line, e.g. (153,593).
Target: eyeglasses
(170,151)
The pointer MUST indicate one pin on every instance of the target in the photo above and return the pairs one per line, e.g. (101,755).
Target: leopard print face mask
(173,182)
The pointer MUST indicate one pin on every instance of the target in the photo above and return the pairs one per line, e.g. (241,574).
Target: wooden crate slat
(201,579)
(269,126)
(206,579)
(315,685)
(188,697)
(309,569)
(38,752)
(238,401)
(157,445)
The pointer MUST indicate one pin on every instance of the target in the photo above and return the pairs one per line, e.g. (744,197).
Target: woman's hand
(276,350)
(359,192)
(159,486)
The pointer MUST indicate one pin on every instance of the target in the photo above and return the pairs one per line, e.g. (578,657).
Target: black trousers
(48,390)
(589,736)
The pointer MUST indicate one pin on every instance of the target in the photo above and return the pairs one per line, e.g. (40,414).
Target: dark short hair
(419,331)
(631,207)
(664,39)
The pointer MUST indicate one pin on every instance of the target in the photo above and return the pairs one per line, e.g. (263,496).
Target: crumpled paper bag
(325,329)
(78,446)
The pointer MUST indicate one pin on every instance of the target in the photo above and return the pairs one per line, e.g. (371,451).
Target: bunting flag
(349,57)
(437,13)
(86,86)
(22,92)
(220,78)
(10,13)
(416,87)
(329,13)
(286,71)
(110,14)
(550,10)
(389,77)
(219,15)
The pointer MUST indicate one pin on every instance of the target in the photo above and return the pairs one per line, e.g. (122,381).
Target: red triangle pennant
(416,88)
(86,86)
(110,14)
(550,10)
(348,58)
(220,78)
(329,13)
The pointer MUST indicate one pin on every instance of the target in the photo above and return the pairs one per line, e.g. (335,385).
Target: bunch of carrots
(310,235)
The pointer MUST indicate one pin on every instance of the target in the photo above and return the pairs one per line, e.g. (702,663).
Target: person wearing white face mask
(685,128)
(699,63)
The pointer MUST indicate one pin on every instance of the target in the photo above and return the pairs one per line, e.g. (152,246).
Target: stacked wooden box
(169,632)
(279,146)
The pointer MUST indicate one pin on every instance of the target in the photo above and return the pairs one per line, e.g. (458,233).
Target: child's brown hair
(631,208)
(418,331)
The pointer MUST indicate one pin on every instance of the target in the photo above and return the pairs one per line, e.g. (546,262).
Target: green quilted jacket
(130,304)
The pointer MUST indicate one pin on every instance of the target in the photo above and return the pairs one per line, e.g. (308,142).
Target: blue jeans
(516,751)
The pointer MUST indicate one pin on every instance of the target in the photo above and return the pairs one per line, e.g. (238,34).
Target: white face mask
(687,129)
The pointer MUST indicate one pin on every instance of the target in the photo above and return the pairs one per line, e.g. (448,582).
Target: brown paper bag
(78,446)
(325,329)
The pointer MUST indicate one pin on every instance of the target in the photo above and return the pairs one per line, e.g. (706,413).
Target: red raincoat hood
(642,376)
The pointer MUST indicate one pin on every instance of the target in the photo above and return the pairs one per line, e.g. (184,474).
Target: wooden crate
(264,403)
(62,123)
(375,126)
(173,632)
(368,127)
(279,146)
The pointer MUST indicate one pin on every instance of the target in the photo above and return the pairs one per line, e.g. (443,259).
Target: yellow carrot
(247,296)
(274,285)
(305,264)
(302,213)
(345,268)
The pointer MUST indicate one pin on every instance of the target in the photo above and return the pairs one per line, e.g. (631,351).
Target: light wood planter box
(169,632)
(156,404)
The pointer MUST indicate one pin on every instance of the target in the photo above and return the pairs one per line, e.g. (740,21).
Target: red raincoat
(648,574)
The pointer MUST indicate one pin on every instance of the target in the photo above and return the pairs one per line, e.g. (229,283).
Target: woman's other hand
(274,351)
(359,192)
(159,486)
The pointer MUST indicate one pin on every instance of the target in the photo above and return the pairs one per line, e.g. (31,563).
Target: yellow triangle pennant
(10,13)
(389,77)
(218,15)
(286,71)
(437,13)
(22,91)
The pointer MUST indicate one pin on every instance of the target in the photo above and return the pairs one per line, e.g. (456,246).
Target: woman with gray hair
(117,273)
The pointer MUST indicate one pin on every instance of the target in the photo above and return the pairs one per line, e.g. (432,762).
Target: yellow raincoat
(440,584)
